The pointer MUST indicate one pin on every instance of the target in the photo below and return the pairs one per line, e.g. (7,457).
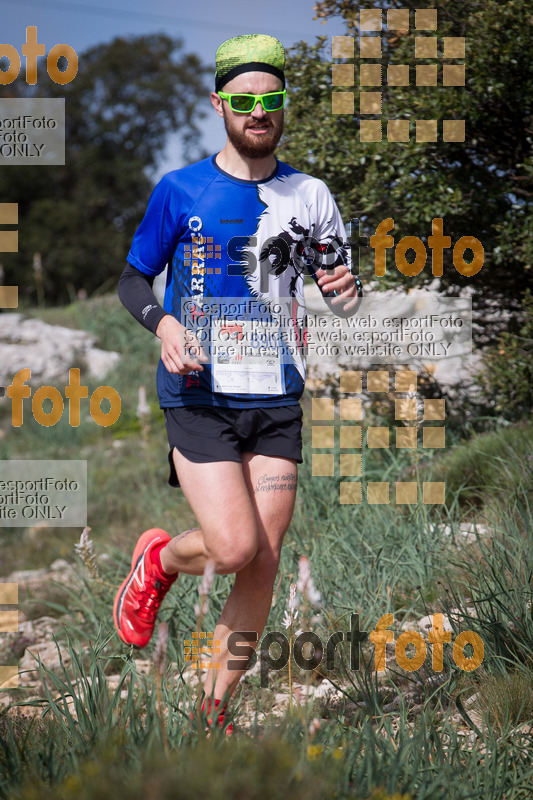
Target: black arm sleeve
(135,293)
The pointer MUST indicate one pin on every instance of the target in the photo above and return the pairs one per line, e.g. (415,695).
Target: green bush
(489,467)
(507,379)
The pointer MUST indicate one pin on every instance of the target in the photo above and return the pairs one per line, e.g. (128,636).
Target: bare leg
(273,484)
(244,512)
(219,497)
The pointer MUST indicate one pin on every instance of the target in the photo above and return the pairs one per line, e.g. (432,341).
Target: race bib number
(246,357)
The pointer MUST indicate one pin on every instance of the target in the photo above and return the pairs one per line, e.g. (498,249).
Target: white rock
(409,625)
(49,351)
(100,362)
(451,371)
(327,691)
(60,564)
(472,702)
(470,531)
(27,629)
(465,531)
(26,575)
(39,627)
(144,666)
(253,671)
(48,653)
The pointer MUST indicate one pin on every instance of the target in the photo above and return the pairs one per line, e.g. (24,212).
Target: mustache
(262,124)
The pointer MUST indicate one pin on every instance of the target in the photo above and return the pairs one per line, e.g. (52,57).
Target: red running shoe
(220,712)
(138,599)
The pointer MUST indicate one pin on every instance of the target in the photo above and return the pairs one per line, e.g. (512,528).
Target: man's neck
(244,168)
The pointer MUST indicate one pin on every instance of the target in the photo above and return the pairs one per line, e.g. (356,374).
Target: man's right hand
(181,352)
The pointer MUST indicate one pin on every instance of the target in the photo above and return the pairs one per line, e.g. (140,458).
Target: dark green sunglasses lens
(246,102)
(273,102)
(242,102)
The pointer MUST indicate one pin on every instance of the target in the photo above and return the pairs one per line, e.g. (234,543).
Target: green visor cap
(254,52)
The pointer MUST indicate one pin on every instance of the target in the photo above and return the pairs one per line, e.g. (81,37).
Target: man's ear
(217,103)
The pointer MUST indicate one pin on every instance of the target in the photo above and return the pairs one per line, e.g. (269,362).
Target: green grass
(489,466)
(410,735)
(146,747)
(507,700)
(143,745)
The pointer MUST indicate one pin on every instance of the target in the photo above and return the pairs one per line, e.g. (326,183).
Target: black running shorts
(210,433)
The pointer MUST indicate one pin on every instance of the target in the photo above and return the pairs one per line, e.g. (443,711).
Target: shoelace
(150,599)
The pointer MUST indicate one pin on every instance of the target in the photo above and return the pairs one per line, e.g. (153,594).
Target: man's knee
(232,556)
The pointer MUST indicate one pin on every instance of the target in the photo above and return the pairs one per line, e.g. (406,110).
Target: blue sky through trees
(85,23)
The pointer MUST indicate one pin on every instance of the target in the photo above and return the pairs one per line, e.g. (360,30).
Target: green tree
(128,96)
(507,377)
(482,187)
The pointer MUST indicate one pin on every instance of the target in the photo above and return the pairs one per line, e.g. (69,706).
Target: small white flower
(85,546)
(305,583)
(85,550)
(293,601)
(207,578)
(292,605)
(304,575)
(288,618)
(201,609)
(313,595)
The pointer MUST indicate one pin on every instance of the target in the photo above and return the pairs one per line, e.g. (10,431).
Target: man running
(239,225)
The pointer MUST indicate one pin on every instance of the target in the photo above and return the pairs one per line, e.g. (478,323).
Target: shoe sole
(146,539)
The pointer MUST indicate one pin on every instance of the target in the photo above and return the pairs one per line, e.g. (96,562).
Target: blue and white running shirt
(223,237)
